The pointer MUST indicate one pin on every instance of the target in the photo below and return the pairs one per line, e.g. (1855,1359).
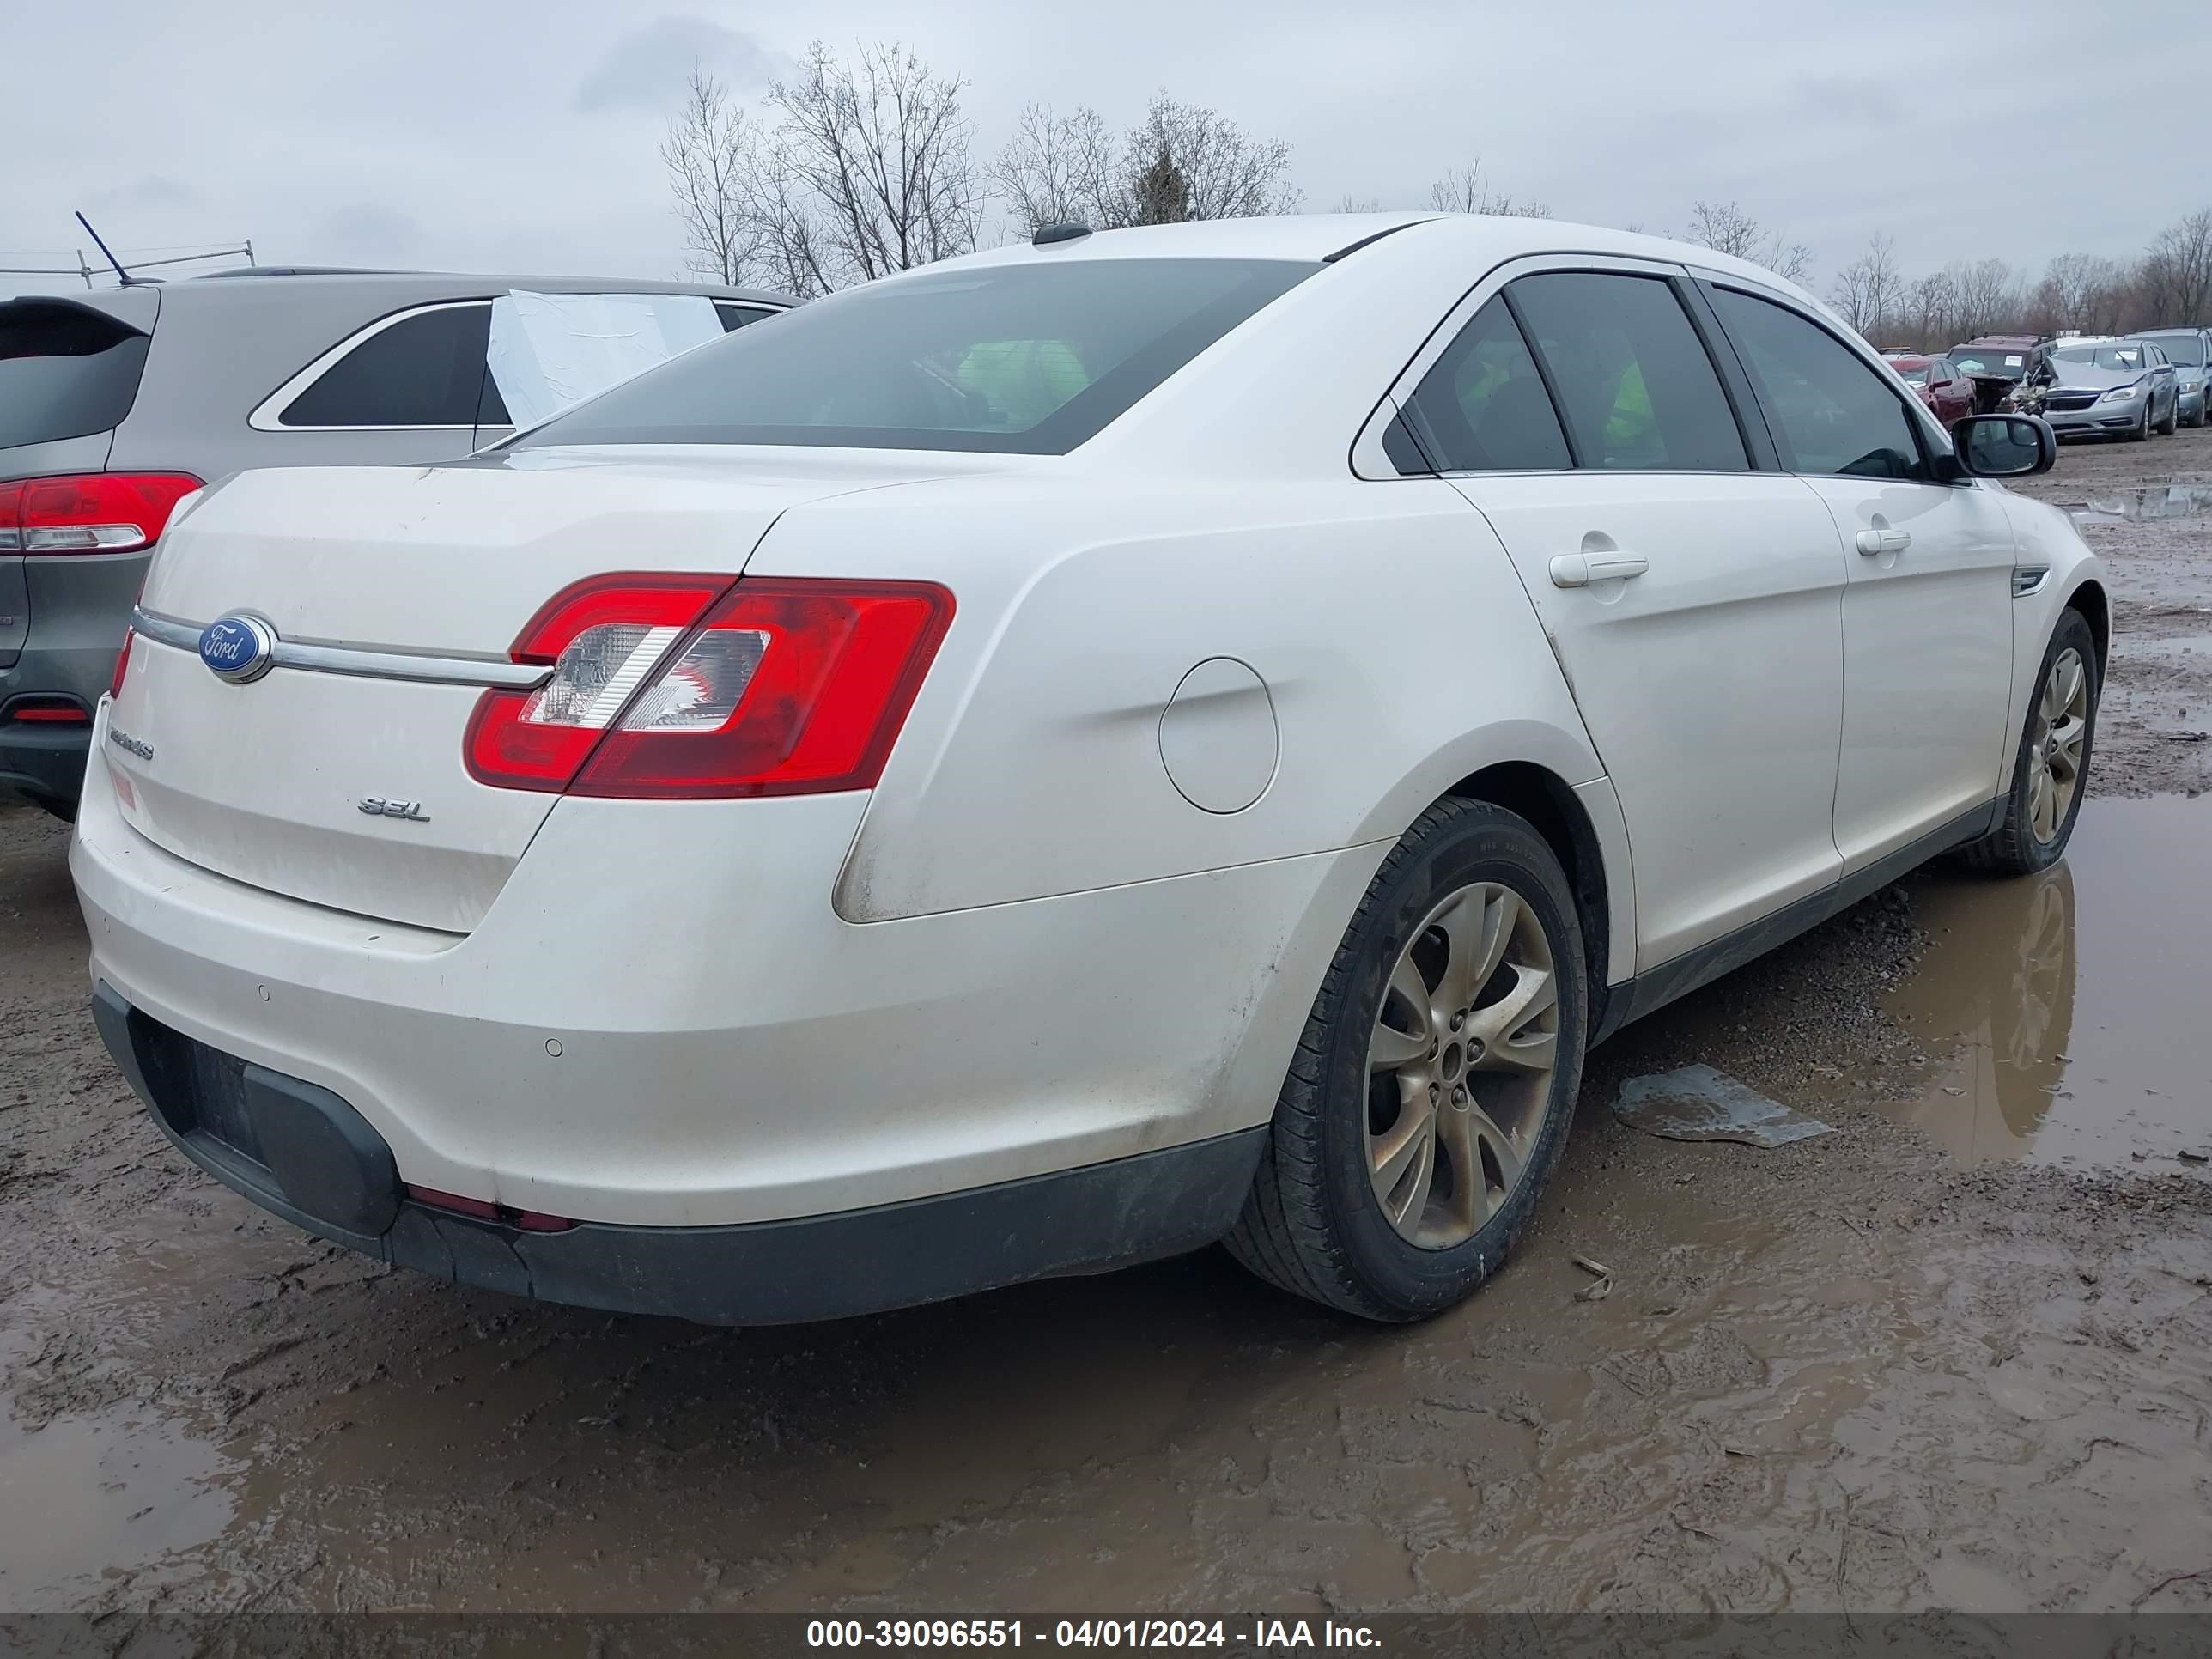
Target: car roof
(403,286)
(1324,236)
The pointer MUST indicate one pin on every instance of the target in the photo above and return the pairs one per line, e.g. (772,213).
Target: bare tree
(2078,290)
(1725,227)
(1228,173)
(709,155)
(868,171)
(1348,202)
(1467,189)
(2177,273)
(1985,296)
(1869,290)
(1930,304)
(1059,168)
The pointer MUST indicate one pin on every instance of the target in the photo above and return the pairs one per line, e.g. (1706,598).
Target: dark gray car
(114,405)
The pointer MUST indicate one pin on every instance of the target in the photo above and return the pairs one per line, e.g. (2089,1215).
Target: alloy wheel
(2062,726)
(1460,1065)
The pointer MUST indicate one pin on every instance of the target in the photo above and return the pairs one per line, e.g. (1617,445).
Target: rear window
(66,371)
(1008,359)
(426,369)
(1914,373)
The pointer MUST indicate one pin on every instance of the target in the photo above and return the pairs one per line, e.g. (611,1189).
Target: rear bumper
(79,608)
(661,1022)
(44,762)
(319,1165)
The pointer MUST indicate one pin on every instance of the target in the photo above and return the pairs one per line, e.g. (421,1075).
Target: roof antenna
(122,277)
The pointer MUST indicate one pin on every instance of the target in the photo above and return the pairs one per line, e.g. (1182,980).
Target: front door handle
(1874,542)
(1580,569)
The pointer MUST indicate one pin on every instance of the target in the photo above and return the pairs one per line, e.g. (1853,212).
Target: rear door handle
(1580,569)
(1873,542)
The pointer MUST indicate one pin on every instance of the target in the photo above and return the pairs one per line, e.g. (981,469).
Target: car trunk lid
(352,792)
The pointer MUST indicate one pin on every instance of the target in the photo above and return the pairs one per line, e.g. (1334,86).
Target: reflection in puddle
(92,1495)
(2078,996)
(2166,502)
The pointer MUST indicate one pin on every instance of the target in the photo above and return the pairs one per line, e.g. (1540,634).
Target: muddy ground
(1957,1354)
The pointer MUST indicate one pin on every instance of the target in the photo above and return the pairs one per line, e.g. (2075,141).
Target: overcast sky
(522,138)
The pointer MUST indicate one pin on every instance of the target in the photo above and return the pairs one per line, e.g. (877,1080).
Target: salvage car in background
(1996,364)
(115,405)
(1947,391)
(2103,388)
(2190,351)
(1057,758)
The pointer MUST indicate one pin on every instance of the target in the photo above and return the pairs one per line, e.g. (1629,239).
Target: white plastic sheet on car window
(549,350)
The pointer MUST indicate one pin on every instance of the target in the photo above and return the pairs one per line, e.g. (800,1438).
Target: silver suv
(115,405)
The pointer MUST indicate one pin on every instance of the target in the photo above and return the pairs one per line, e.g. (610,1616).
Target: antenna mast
(121,276)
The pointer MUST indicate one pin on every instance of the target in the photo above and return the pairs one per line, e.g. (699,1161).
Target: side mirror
(2005,445)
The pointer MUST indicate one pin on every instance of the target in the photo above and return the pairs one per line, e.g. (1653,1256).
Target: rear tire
(1461,975)
(2051,774)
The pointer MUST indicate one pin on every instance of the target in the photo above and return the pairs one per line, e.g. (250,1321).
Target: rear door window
(1832,415)
(66,371)
(1482,407)
(427,370)
(1639,391)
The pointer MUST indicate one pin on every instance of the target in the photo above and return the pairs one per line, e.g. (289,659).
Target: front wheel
(2173,422)
(2139,432)
(2051,772)
(1434,1085)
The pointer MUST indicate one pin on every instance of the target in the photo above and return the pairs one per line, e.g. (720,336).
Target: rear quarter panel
(1398,651)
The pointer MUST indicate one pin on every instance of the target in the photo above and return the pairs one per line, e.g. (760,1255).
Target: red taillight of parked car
(89,511)
(45,711)
(122,663)
(670,688)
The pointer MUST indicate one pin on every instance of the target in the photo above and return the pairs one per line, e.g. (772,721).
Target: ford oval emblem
(238,649)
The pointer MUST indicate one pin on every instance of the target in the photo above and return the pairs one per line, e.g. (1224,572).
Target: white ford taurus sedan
(1058,758)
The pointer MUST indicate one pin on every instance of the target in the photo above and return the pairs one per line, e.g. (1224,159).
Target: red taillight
(788,686)
(122,663)
(91,512)
(603,637)
(48,711)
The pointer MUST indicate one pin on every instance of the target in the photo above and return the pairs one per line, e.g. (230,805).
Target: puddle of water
(2165,502)
(92,1495)
(2078,996)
